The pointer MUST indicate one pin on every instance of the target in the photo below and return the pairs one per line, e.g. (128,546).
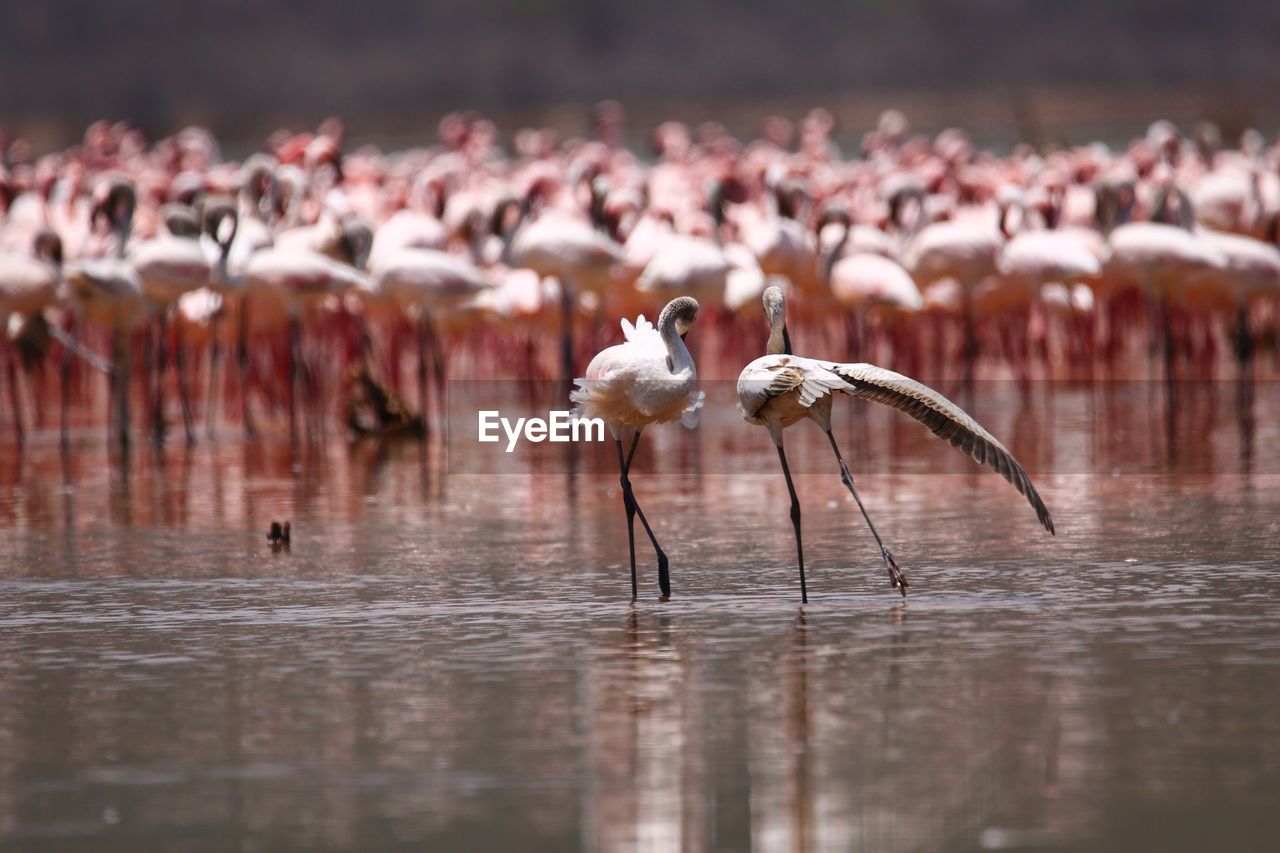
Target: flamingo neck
(779,337)
(509,234)
(678,357)
(837,251)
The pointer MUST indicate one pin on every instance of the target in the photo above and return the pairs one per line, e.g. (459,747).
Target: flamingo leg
(566,331)
(795,521)
(628,494)
(295,359)
(64,387)
(1166,329)
(439,367)
(896,577)
(423,370)
(630,508)
(120,384)
(15,398)
(215,373)
(157,373)
(969,353)
(1244,339)
(180,371)
(242,358)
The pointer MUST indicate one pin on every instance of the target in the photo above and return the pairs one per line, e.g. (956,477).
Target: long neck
(837,251)
(678,357)
(508,234)
(779,337)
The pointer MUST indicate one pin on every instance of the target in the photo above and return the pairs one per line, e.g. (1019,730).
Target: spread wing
(944,418)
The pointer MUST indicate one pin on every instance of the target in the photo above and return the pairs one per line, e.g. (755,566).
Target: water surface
(449,660)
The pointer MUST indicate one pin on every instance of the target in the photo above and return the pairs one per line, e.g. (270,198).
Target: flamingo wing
(945,419)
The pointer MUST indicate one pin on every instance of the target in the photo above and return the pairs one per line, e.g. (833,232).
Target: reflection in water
(450,661)
(639,745)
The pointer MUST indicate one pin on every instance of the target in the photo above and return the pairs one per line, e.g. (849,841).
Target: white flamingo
(170,266)
(296,279)
(106,289)
(28,285)
(780,389)
(423,283)
(568,248)
(649,379)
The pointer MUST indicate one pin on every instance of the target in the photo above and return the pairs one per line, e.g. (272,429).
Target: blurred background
(1009,70)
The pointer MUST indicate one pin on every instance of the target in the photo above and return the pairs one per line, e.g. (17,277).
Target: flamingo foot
(896,578)
(664,576)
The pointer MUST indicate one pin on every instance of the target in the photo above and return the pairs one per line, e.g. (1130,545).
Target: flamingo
(28,285)
(965,249)
(169,267)
(416,226)
(1033,260)
(780,242)
(1165,259)
(1251,268)
(570,249)
(205,306)
(296,279)
(865,281)
(106,289)
(423,283)
(648,379)
(249,233)
(780,389)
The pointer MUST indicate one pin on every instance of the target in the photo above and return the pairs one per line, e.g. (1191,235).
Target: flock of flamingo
(310,280)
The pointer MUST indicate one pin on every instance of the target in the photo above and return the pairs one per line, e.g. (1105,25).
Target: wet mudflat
(449,660)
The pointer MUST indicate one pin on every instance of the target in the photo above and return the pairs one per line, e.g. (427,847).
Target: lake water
(448,658)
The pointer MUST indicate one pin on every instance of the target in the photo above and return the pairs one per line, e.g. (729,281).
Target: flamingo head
(357,241)
(180,220)
(220,223)
(680,313)
(48,246)
(115,203)
(775,308)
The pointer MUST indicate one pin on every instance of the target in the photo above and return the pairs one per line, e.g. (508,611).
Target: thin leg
(1166,328)
(423,371)
(64,387)
(439,368)
(295,358)
(969,353)
(15,398)
(795,522)
(630,508)
(1244,338)
(242,358)
(664,573)
(215,376)
(896,577)
(566,331)
(120,384)
(180,369)
(161,363)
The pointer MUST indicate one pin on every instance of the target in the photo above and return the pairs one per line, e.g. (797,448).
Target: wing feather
(775,376)
(945,419)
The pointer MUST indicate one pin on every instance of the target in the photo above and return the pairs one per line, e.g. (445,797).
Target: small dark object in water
(278,536)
